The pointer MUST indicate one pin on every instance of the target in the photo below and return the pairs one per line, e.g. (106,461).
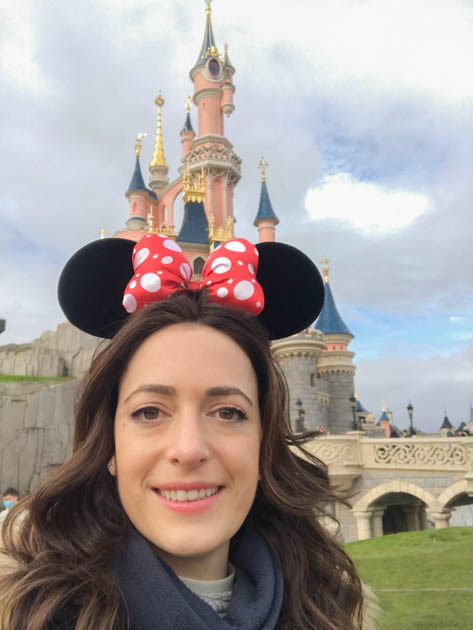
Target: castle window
(312,379)
(198,265)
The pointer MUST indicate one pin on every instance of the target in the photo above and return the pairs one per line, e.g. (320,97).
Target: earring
(111,466)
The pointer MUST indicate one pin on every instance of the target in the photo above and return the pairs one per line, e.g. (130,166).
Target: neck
(207,567)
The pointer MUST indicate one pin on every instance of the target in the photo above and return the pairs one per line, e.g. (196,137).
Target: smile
(181,496)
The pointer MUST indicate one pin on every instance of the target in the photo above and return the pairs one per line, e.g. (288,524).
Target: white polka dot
(166,260)
(253,280)
(160,272)
(129,303)
(169,244)
(230,281)
(161,235)
(151,282)
(258,304)
(251,268)
(141,256)
(137,275)
(240,262)
(148,235)
(256,252)
(155,255)
(132,284)
(243,290)
(235,246)
(208,283)
(186,270)
(221,265)
(222,292)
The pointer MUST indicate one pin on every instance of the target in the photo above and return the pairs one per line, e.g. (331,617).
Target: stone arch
(198,265)
(406,487)
(460,487)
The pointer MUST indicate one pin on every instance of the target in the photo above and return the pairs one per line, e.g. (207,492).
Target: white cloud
(19,44)
(367,206)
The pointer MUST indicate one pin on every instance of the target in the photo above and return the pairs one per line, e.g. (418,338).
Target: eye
(231,414)
(147,414)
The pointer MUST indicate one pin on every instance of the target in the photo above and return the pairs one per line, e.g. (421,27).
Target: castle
(397,483)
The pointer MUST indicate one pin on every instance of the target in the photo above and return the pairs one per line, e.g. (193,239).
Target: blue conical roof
(329,320)
(360,408)
(384,416)
(137,182)
(209,40)
(195,226)
(446,424)
(265,209)
(187,124)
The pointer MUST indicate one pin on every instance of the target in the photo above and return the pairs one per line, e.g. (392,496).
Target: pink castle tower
(209,167)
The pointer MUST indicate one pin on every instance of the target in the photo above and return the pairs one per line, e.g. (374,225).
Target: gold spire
(325,262)
(139,138)
(103,231)
(207,8)
(158,158)
(150,220)
(188,104)
(193,193)
(263,166)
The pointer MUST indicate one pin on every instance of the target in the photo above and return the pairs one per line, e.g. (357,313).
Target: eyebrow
(167,390)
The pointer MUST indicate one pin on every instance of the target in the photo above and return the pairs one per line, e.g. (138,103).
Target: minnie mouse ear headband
(107,280)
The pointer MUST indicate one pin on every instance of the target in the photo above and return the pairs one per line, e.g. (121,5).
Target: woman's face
(187,441)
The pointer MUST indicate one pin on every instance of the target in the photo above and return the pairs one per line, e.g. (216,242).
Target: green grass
(10,378)
(431,559)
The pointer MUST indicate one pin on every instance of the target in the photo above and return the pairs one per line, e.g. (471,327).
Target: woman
(183,505)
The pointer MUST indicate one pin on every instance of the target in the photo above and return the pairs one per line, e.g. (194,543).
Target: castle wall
(298,371)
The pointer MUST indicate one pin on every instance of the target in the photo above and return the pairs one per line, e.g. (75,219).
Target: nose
(188,441)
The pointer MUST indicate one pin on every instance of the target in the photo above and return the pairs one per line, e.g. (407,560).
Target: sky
(363,110)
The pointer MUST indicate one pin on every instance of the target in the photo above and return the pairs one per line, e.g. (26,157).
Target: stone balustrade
(417,453)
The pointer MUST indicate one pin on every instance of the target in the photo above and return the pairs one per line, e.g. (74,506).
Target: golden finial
(103,231)
(150,220)
(325,262)
(158,158)
(139,138)
(188,104)
(207,8)
(263,166)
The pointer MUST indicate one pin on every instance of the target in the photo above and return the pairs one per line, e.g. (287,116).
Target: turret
(187,132)
(335,364)
(158,166)
(266,219)
(447,426)
(140,199)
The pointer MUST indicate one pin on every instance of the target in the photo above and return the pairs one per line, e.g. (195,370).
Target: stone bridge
(402,484)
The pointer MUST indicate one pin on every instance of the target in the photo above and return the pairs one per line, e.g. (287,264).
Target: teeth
(188,495)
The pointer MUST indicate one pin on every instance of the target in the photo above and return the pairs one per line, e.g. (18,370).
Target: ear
(112,466)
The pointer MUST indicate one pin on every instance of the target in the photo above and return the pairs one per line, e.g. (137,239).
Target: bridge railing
(354,451)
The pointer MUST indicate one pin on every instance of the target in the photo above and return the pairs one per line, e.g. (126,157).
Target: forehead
(185,354)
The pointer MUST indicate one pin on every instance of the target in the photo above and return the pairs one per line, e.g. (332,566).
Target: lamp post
(352,400)
(300,428)
(410,411)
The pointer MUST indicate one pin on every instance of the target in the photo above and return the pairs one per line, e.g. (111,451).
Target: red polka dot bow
(161,269)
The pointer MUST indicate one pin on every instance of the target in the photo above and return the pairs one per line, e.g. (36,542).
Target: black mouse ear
(292,286)
(91,286)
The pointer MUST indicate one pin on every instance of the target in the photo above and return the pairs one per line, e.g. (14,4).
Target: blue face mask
(8,504)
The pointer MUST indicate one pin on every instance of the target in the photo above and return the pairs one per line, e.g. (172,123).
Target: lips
(181,495)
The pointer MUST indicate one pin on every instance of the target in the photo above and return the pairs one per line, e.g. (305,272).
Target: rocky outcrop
(36,426)
(65,352)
